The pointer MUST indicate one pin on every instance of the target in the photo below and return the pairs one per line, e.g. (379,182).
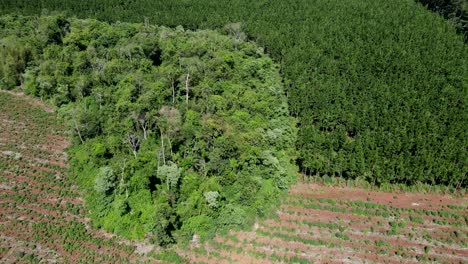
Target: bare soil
(332,224)
(41,212)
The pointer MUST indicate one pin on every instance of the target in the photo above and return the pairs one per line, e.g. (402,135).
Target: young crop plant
(416,219)
(175,132)
(39,218)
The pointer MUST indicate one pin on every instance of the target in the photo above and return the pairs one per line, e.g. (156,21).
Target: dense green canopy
(455,11)
(379,87)
(174,131)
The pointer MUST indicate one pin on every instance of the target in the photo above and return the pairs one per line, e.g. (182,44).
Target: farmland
(174,131)
(337,224)
(41,212)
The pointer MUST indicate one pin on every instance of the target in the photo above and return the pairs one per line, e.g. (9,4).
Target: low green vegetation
(175,132)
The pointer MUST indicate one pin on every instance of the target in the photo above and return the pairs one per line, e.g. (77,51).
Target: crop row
(41,212)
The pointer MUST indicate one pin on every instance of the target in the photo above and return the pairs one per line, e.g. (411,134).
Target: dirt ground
(331,224)
(42,216)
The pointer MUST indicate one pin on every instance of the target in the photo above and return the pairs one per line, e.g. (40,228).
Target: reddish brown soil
(37,221)
(29,101)
(314,213)
(404,200)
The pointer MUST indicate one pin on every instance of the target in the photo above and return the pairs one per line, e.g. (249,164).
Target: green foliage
(105,181)
(168,126)
(379,88)
(170,174)
(212,199)
(235,217)
(13,59)
(170,256)
(456,11)
(200,225)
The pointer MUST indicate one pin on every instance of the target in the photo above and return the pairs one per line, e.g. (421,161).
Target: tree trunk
(170,146)
(144,127)
(134,141)
(78,131)
(162,147)
(187,88)
(122,180)
(173,91)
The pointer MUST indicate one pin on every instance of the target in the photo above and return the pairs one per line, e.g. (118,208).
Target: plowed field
(41,212)
(319,224)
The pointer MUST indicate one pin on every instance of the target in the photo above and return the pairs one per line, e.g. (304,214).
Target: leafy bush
(105,181)
(170,256)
